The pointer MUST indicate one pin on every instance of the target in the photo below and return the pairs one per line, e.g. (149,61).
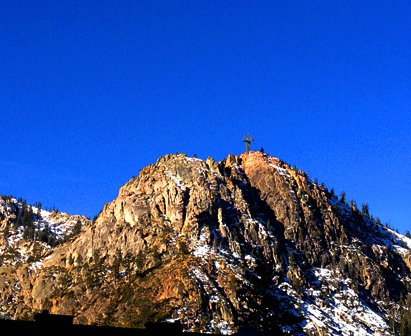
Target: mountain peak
(247,240)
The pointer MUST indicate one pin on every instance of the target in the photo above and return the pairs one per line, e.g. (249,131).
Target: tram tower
(248,139)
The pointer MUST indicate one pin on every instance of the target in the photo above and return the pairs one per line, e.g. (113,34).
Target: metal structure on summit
(248,139)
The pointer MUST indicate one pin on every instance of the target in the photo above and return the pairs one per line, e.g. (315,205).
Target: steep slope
(29,232)
(27,235)
(245,241)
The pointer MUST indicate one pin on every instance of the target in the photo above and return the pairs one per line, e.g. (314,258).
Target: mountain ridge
(216,245)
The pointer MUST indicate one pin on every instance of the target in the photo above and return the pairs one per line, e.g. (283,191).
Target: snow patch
(178,183)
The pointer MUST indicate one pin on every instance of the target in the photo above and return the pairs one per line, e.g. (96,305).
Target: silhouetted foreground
(46,324)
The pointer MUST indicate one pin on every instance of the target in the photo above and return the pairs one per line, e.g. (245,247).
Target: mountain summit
(216,245)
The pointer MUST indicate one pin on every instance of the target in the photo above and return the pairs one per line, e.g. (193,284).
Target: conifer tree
(127,263)
(365,210)
(38,215)
(18,219)
(44,236)
(6,231)
(28,217)
(342,197)
(115,266)
(77,228)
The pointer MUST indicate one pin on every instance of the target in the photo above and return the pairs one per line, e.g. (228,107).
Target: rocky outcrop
(247,240)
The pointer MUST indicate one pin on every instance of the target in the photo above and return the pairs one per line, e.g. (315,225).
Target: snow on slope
(340,313)
(17,249)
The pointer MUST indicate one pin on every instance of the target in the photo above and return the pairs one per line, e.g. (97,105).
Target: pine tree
(115,266)
(342,197)
(127,262)
(139,260)
(16,225)
(44,236)
(38,215)
(26,233)
(365,210)
(77,228)
(28,217)
(6,230)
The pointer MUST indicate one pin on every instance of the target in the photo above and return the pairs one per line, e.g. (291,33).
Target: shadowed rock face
(247,240)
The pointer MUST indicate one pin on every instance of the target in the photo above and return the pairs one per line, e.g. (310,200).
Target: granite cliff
(215,245)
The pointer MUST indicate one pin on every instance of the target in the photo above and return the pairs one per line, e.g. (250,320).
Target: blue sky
(93,91)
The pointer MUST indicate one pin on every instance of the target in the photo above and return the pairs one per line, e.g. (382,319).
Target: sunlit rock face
(216,245)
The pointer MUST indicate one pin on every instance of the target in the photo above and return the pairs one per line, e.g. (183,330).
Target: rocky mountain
(215,245)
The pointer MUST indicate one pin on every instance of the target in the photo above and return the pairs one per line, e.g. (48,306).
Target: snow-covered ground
(342,312)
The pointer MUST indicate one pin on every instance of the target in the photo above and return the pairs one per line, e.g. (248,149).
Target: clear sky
(93,91)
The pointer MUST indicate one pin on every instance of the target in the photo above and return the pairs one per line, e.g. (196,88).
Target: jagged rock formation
(247,240)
